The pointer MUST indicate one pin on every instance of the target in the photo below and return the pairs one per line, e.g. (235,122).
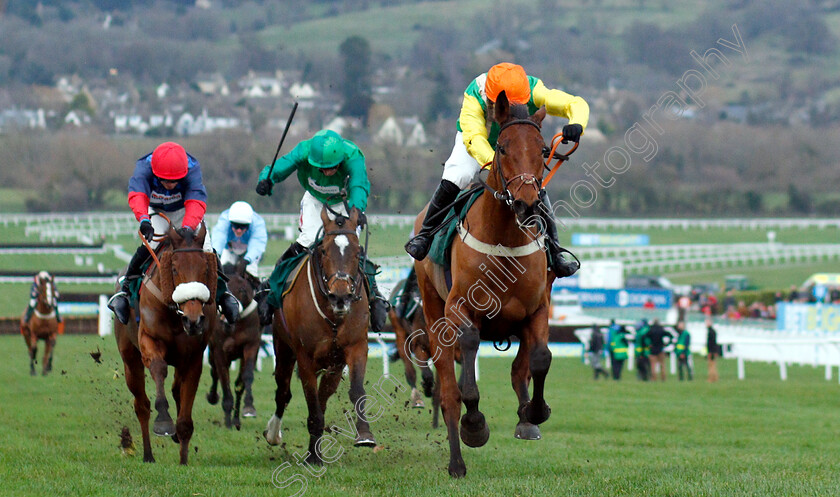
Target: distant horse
(412,349)
(500,286)
(43,325)
(177,311)
(323,325)
(230,342)
(413,346)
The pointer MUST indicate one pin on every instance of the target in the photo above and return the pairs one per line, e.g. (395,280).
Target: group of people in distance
(169,181)
(650,342)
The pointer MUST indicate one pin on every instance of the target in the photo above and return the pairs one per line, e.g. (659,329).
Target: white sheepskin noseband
(190,291)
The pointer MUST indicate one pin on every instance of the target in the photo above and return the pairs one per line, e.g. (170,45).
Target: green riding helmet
(326,149)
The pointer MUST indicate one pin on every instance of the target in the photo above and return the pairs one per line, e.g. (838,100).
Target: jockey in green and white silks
(325,165)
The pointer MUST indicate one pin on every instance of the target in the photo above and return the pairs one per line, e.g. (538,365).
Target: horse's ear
(354,216)
(202,232)
(539,115)
(501,111)
(174,237)
(167,286)
(325,217)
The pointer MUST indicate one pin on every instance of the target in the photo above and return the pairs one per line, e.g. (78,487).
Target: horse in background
(43,324)
(177,316)
(322,325)
(500,287)
(230,342)
(406,316)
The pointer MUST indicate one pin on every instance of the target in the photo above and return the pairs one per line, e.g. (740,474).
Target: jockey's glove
(147,230)
(572,132)
(264,187)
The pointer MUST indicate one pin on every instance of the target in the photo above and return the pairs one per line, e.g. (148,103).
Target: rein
(324,281)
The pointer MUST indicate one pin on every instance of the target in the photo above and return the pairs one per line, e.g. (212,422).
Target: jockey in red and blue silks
(167,181)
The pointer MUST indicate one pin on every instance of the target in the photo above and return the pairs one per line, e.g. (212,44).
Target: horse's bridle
(175,305)
(527,179)
(325,282)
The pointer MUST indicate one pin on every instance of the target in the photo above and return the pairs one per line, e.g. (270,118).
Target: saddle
(283,278)
(440,251)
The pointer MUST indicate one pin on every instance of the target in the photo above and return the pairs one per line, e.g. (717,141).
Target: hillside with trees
(760,139)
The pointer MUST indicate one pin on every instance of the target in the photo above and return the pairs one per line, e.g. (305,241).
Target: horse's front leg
(246,376)
(48,350)
(474,430)
(315,420)
(520,375)
(535,334)
(33,354)
(153,353)
(135,379)
(190,377)
(213,394)
(356,358)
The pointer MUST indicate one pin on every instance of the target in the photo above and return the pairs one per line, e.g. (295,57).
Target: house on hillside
(212,84)
(407,131)
(257,85)
(188,124)
(76,118)
(12,119)
(343,124)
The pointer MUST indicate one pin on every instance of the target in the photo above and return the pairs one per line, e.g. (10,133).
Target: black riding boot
(264,308)
(559,265)
(119,302)
(379,305)
(228,303)
(418,247)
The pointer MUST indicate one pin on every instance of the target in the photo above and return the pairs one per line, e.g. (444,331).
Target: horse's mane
(519,111)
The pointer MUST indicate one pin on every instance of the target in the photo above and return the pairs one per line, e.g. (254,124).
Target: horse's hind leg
(519,377)
(400,328)
(223,371)
(474,430)
(356,359)
(283,369)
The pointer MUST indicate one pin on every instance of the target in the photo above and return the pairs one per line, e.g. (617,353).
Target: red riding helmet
(169,161)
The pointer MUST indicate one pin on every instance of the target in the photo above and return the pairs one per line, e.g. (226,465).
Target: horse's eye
(501,150)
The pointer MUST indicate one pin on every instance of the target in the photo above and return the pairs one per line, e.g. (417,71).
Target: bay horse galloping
(500,286)
(42,323)
(177,315)
(229,342)
(322,325)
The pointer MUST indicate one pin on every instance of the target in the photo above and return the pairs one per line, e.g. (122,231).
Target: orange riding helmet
(508,78)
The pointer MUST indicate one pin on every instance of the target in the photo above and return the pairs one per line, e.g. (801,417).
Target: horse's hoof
(457,469)
(537,414)
(237,424)
(416,399)
(314,459)
(213,398)
(148,458)
(164,428)
(365,440)
(527,431)
(175,439)
(272,434)
(474,430)
(249,412)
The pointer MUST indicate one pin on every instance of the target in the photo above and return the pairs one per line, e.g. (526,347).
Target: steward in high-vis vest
(617,347)
(641,345)
(683,351)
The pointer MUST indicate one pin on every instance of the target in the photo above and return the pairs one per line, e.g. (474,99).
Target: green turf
(757,437)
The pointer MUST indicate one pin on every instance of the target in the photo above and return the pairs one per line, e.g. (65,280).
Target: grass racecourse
(758,437)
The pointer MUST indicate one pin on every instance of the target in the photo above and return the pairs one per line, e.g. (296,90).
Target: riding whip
(282,138)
